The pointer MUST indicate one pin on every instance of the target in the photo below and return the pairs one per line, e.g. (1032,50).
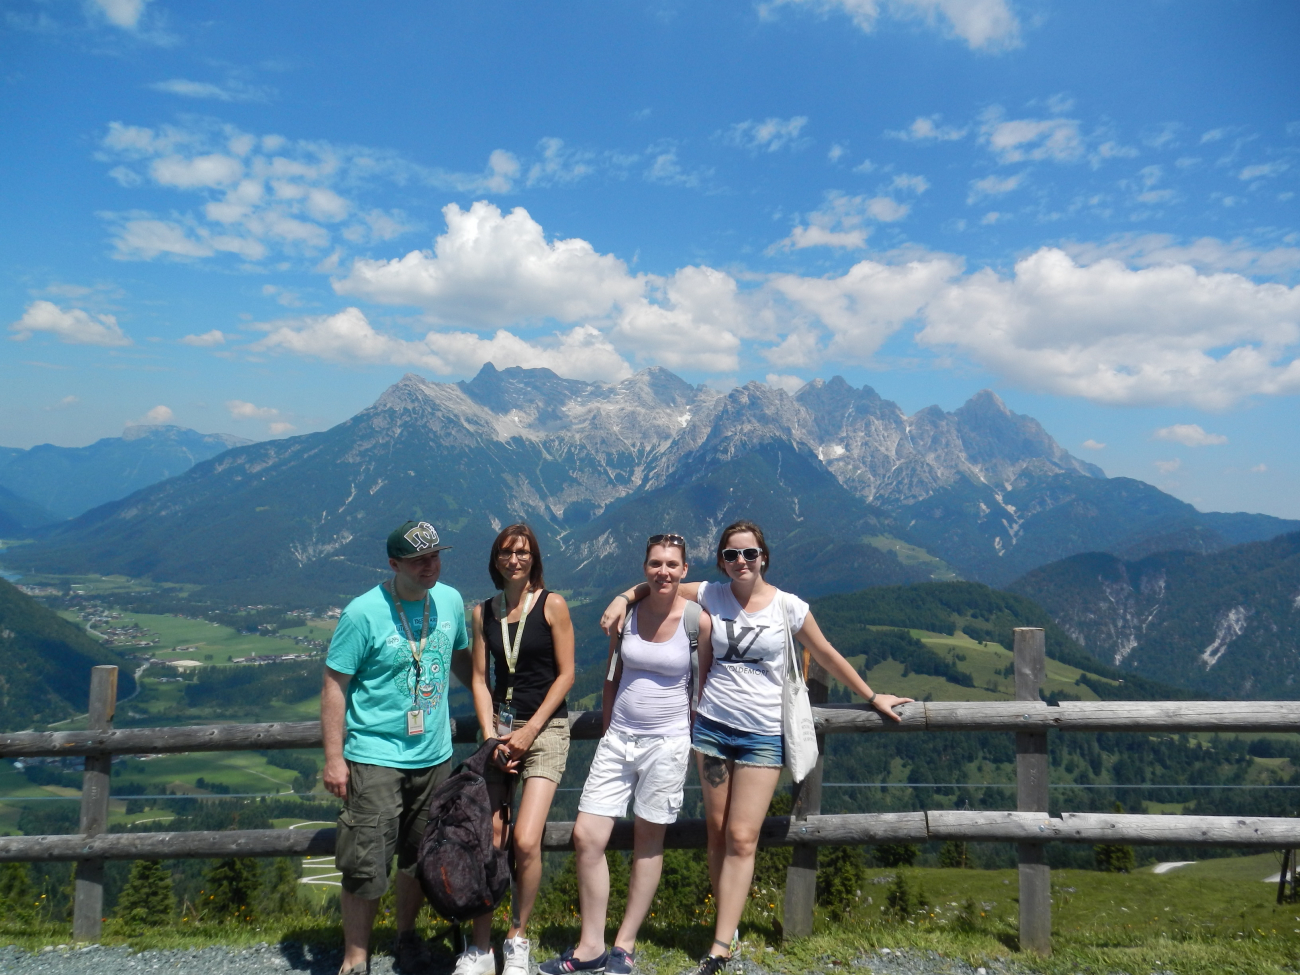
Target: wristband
(623,595)
(872,697)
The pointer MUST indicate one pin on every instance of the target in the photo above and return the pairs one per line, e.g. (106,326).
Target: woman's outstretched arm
(611,621)
(811,636)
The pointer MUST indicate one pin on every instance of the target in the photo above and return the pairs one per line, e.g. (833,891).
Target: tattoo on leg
(715,770)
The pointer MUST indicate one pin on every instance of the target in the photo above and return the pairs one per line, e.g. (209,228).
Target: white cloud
(697,322)
(242,410)
(1259,469)
(1164,135)
(64,404)
(560,164)
(207,340)
(992,186)
(71,327)
(835,152)
(491,269)
(232,91)
(665,168)
(1264,170)
(866,305)
(1113,335)
(928,129)
(985,25)
(275,421)
(791,384)
(910,184)
(1189,435)
(768,135)
(992,217)
(256,196)
(1029,139)
(1091,444)
(1168,466)
(1204,254)
(120,13)
(347,337)
(158,415)
(841,221)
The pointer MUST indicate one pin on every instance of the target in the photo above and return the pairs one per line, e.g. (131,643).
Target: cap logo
(422,536)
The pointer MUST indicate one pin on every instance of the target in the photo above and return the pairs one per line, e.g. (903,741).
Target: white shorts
(651,768)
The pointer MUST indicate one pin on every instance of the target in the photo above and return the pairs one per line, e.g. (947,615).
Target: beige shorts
(385,814)
(547,757)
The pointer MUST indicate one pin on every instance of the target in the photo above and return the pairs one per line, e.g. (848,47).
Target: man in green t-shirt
(387,733)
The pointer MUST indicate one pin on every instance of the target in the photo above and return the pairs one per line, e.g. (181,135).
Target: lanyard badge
(415,716)
(510,648)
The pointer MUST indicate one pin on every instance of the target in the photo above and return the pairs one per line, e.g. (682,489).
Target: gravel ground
(96,960)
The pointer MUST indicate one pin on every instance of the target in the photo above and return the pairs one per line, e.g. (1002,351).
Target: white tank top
(653,696)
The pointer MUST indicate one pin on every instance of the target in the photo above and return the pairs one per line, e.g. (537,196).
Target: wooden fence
(805,829)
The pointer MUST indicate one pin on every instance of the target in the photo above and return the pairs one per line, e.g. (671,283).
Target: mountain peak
(998,440)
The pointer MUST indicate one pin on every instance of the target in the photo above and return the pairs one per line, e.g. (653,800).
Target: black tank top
(535,669)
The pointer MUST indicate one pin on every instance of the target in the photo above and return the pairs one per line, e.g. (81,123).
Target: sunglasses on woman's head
(748,554)
(669,537)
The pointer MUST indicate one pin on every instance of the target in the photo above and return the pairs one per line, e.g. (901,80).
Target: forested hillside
(1226,623)
(45,663)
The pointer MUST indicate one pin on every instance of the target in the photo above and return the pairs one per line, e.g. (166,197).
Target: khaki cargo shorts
(547,757)
(385,814)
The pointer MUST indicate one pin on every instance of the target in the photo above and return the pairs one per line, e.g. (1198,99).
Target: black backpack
(460,870)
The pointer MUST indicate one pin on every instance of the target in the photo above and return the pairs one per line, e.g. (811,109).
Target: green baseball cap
(412,539)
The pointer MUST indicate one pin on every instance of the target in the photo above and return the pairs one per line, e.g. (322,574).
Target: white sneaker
(515,951)
(475,961)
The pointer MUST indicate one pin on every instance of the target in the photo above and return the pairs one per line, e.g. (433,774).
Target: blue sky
(251,218)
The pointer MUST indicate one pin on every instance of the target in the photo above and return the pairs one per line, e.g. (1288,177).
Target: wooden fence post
(1032,770)
(88,901)
(801,875)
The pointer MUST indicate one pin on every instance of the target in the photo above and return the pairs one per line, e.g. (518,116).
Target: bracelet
(624,596)
(872,697)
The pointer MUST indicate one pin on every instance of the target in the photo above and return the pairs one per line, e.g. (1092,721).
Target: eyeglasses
(748,554)
(506,554)
(671,538)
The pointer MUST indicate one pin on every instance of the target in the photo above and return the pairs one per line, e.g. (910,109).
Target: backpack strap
(618,648)
(691,620)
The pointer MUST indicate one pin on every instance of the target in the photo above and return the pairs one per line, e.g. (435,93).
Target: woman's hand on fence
(336,777)
(885,704)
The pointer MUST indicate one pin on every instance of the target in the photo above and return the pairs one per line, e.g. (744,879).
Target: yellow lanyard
(510,650)
(417,650)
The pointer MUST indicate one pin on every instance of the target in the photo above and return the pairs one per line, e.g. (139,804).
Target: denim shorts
(733,745)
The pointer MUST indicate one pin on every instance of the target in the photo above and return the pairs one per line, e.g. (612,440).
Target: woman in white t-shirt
(737,733)
(642,758)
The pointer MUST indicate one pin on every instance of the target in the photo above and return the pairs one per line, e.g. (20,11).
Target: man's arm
(462,666)
(333,704)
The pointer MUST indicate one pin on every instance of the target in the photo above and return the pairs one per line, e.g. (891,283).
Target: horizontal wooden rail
(1140,716)
(843,830)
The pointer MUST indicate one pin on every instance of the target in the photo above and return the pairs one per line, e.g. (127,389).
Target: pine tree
(17,895)
(953,854)
(841,875)
(281,895)
(147,898)
(232,887)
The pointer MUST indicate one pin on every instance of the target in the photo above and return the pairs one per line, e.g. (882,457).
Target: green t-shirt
(369,644)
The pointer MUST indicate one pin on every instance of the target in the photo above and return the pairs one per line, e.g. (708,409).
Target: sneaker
(515,951)
(710,965)
(566,963)
(619,962)
(475,961)
(412,955)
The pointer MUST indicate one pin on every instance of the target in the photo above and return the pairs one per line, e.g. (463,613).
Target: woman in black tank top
(524,706)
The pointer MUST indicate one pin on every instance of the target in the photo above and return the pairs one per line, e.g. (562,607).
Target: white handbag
(797,728)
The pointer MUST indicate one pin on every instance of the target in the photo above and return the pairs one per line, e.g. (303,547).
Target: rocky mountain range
(1226,622)
(852,491)
(54,483)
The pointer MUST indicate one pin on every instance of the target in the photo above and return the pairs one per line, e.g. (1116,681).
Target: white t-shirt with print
(743,690)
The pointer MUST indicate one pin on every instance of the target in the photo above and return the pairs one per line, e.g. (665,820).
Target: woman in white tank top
(642,757)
